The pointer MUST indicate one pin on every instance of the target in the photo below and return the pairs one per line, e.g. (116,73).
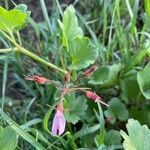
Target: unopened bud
(92,96)
(95,97)
(67,77)
(39,79)
(90,71)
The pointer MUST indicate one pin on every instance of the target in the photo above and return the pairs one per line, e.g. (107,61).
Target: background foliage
(114,35)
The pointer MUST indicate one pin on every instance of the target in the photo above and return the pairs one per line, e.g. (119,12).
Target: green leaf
(8,139)
(113,137)
(148,52)
(100,137)
(75,108)
(100,75)
(86,130)
(21,132)
(142,115)
(82,53)
(69,26)
(143,78)
(40,136)
(23,8)
(1,128)
(138,136)
(136,59)
(147,10)
(70,141)
(13,19)
(130,89)
(106,75)
(116,110)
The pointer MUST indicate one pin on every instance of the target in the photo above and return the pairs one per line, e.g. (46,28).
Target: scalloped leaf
(143,78)
(24,9)
(141,115)
(100,75)
(75,108)
(106,76)
(12,19)
(130,88)
(138,136)
(8,139)
(116,110)
(113,137)
(69,26)
(82,53)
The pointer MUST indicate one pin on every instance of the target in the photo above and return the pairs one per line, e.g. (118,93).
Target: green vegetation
(77,76)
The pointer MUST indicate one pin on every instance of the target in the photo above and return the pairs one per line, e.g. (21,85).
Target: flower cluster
(59,122)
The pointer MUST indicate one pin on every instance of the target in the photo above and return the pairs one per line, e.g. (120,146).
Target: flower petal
(55,125)
(61,124)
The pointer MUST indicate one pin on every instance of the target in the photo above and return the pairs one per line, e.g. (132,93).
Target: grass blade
(4,80)
(43,6)
(46,118)
(21,132)
(102,124)
(86,130)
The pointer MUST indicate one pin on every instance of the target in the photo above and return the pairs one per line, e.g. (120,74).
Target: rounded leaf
(117,110)
(8,139)
(82,53)
(143,78)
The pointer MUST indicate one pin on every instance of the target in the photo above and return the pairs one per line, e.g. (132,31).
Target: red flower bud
(39,79)
(95,97)
(90,71)
(92,96)
(67,77)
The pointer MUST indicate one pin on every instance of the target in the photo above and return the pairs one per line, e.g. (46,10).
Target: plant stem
(61,58)
(19,38)
(30,54)
(6,50)
(35,57)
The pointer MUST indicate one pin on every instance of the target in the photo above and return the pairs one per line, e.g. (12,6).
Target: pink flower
(95,97)
(59,122)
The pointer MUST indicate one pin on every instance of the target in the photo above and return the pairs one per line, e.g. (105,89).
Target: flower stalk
(59,122)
